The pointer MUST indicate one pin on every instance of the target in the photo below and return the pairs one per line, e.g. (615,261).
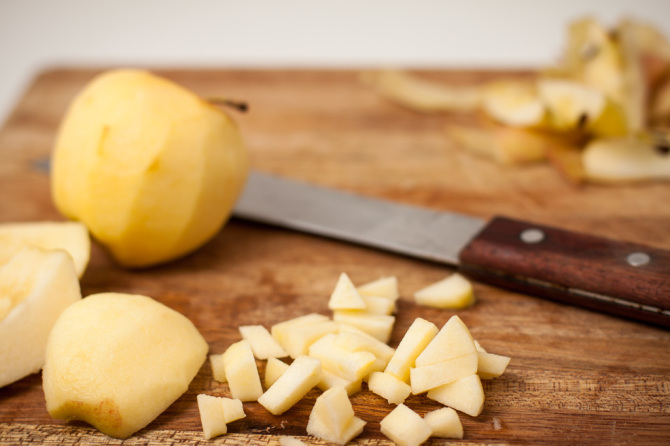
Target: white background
(35,34)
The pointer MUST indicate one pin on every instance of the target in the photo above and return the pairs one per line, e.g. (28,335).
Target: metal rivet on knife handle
(638,259)
(531,236)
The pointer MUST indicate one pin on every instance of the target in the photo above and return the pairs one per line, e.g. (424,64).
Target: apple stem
(237,105)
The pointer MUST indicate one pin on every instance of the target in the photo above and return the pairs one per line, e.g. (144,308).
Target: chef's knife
(616,277)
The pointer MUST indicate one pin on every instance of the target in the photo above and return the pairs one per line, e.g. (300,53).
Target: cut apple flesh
(36,286)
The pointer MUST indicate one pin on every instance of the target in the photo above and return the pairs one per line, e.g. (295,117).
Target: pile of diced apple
(337,355)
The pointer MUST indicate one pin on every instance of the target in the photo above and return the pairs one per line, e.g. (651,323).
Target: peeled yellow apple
(149,167)
(117,361)
(69,236)
(35,287)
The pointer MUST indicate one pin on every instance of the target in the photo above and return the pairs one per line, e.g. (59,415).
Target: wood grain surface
(576,376)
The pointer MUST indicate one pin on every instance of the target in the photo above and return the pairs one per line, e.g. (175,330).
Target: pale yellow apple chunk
(36,287)
(212,416)
(332,417)
(273,370)
(454,339)
(388,386)
(262,343)
(330,380)
(417,337)
(345,296)
(465,395)
(233,409)
(379,305)
(302,375)
(490,365)
(444,423)
(319,429)
(70,236)
(378,325)
(152,169)
(383,287)
(434,375)
(117,361)
(281,330)
(361,341)
(347,364)
(290,441)
(296,335)
(241,372)
(218,367)
(405,427)
(454,292)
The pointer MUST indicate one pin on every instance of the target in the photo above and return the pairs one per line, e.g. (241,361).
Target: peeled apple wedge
(36,286)
(625,159)
(117,361)
(70,236)
(514,103)
(148,166)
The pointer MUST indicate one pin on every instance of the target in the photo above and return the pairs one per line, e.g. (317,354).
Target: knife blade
(611,276)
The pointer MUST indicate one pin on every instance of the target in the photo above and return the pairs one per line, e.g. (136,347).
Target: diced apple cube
(218,369)
(345,296)
(280,329)
(377,325)
(241,372)
(273,370)
(301,376)
(417,337)
(211,416)
(444,423)
(361,341)
(319,429)
(383,287)
(389,386)
(379,305)
(454,339)
(434,375)
(453,292)
(465,395)
(347,364)
(298,339)
(330,380)
(262,343)
(233,409)
(490,365)
(405,427)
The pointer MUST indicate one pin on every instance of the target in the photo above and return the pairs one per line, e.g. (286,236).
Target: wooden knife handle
(616,277)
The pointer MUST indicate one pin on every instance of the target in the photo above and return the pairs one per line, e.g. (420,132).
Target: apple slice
(453,292)
(434,375)
(211,416)
(379,305)
(514,103)
(415,340)
(241,372)
(72,237)
(444,423)
(349,365)
(218,367)
(332,417)
(383,287)
(330,380)
(345,296)
(465,395)
(290,441)
(376,325)
(36,287)
(233,409)
(359,342)
(117,361)
(388,386)
(453,340)
(296,335)
(262,343)
(302,375)
(273,370)
(405,427)
(490,365)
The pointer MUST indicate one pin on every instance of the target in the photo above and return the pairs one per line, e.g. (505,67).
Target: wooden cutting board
(576,377)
